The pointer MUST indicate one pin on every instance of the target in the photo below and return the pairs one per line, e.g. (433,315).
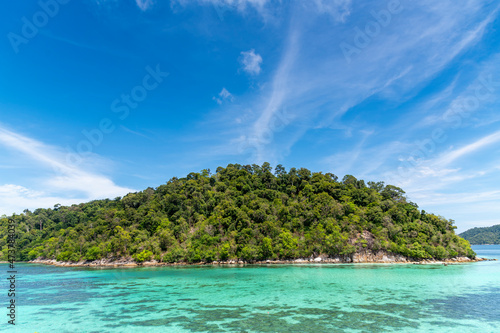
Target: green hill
(240,212)
(486,235)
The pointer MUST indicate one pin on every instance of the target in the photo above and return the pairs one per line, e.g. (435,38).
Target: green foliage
(417,251)
(64,256)
(145,255)
(244,212)
(266,248)
(75,257)
(480,236)
(249,252)
(224,251)
(93,253)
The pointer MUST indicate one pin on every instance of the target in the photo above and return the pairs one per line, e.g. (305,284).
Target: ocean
(287,298)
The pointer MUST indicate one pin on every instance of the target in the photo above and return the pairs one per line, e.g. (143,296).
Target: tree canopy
(244,212)
(485,235)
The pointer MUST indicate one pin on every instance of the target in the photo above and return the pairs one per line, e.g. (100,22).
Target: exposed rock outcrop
(365,257)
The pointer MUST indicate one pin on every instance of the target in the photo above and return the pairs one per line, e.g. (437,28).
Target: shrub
(145,255)
(64,256)
(93,253)
(224,251)
(75,257)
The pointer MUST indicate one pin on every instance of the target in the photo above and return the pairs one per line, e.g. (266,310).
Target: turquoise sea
(308,298)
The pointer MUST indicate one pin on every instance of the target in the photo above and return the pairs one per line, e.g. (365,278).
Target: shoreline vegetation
(241,213)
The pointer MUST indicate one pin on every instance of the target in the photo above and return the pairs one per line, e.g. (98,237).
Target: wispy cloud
(310,88)
(343,162)
(58,181)
(469,149)
(323,88)
(224,95)
(144,4)
(339,9)
(262,129)
(437,172)
(459,182)
(126,129)
(221,6)
(97,48)
(251,62)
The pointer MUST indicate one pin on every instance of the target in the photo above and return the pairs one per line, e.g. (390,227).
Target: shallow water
(308,298)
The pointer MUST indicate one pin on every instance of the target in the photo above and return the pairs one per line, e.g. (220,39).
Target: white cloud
(58,181)
(240,5)
(458,183)
(273,109)
(16,198)
(338,9)
(425,172)
(221,7)
(469,149)
(436,173)
(9,189)
(251,62)
(144,4)
(317,86)
(324,87)
(224,95)
(112,5)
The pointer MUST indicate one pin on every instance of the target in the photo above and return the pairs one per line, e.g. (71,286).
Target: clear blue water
(309,298)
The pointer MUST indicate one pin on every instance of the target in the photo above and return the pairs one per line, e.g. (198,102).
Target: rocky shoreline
(357,258)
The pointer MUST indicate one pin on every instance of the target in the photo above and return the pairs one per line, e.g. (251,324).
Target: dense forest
(245,212)
(486,235)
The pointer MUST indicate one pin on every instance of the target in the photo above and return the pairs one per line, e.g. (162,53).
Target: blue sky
(102,97)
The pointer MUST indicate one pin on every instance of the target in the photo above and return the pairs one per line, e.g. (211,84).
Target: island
(483,236)
(240,214)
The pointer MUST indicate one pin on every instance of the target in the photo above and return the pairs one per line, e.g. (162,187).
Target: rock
(318,259)
(387,259)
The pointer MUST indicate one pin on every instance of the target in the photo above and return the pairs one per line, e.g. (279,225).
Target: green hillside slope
(486,235)
(240,212)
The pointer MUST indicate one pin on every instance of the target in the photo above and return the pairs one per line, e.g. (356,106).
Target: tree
(279,171)
(393,193)
(377,186)
(93,253)
(266,248)
(122,239)
(145,255)
(242,211)
(349,180)
(266,167)
(288,244)
(249,253)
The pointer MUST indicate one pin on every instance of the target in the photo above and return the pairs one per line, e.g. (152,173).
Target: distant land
(481,236)
(240,213)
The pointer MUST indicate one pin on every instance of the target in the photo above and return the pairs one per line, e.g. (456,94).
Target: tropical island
(240,213)
(482,236)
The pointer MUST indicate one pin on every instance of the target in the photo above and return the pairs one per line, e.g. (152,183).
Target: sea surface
(289,298)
